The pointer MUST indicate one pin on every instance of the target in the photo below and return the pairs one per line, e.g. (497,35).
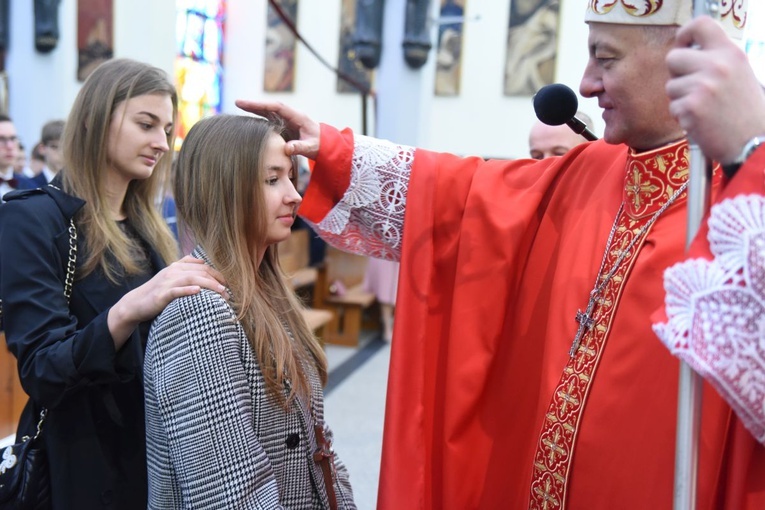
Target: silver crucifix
(586,321)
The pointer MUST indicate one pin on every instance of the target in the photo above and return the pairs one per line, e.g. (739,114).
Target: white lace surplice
(716,309)
(370,218)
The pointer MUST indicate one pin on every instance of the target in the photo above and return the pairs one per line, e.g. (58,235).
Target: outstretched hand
(307,129)
(185,277)
(713,91)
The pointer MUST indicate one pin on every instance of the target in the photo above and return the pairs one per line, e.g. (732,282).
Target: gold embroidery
(645,9)
(556,443)
(637,188)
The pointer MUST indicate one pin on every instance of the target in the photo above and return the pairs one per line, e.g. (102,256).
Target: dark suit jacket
(66,356)
(39,180)
(27,183)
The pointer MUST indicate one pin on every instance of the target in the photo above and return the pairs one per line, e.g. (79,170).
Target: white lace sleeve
(370,217)
(716,309)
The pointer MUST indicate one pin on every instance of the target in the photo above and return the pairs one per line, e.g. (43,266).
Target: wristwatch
(731,168)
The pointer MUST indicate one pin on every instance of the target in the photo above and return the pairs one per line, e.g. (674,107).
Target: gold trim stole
(652,178)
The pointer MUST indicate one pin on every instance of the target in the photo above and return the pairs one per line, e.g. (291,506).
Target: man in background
(9,150)
(20,166)
(546,140)
(50,149)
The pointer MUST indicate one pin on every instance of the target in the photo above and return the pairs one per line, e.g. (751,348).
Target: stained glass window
(199,62)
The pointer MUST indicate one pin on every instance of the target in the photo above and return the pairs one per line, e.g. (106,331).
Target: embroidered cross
(636,187)
(588,352)
(554,446)
(568,397)
(547,496)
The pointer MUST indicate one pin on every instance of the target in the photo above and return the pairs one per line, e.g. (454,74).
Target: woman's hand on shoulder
(184,277)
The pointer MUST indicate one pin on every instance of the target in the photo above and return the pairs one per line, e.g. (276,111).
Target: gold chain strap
(68,286)
(70,265)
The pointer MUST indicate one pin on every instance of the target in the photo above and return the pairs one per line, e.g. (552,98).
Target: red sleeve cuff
(331,174)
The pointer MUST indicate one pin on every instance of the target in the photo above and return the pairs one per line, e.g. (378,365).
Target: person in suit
(20,165)
(50,149)
(241,378)
(82,360)
(9,151)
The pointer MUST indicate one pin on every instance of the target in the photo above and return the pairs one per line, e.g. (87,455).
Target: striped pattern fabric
(214,438)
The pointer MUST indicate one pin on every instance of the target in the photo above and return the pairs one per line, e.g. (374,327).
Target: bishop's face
(626,72)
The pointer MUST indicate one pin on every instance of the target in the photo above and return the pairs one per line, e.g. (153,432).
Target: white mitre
(664,12)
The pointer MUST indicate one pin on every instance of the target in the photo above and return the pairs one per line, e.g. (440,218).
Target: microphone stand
(690,387)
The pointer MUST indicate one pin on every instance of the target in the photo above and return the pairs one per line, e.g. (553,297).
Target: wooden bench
(12,396)
(294,258)
(317,320)
(339,288)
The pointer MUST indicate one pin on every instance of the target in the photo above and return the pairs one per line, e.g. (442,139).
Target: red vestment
(485,407)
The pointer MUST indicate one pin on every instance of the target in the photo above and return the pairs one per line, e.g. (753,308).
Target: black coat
(94,431)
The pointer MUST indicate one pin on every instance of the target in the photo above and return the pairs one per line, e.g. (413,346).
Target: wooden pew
(294,258)
(12,396)
(339,288)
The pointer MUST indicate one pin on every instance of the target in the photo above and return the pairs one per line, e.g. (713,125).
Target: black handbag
(24,473)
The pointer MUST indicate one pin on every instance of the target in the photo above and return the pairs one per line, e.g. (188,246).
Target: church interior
(469,94)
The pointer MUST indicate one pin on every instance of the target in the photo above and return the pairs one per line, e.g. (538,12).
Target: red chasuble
(485,406)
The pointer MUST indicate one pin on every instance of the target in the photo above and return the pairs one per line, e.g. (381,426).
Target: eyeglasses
(5,140)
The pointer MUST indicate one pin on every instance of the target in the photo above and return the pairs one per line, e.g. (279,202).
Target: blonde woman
(82,359)
(234,400)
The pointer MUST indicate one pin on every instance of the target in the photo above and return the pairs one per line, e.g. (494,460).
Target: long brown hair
(85,141)
(218,188)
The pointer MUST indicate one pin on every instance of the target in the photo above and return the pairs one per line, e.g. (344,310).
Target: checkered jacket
(214,438)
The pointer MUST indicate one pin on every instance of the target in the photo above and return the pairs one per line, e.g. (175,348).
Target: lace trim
(716,309)
(370,217)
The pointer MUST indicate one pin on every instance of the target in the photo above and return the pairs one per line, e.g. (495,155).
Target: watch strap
(731,168)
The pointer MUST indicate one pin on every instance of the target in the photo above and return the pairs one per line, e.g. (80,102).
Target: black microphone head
(555,104)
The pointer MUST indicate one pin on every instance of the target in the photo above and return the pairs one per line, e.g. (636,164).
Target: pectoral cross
(586,322)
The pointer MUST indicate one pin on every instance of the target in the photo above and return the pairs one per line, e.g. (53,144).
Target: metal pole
(689,391)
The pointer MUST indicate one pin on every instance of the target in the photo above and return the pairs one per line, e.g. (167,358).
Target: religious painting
(95,35)
(449,48)
(199,61)
(280,48)
(532,46)
(347,63)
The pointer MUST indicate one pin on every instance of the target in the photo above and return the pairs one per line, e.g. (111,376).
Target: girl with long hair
(234,400)
(80,341)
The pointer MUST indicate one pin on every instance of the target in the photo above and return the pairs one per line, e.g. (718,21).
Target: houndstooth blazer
(214,439)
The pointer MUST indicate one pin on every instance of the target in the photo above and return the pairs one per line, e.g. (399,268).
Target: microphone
(557,104)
